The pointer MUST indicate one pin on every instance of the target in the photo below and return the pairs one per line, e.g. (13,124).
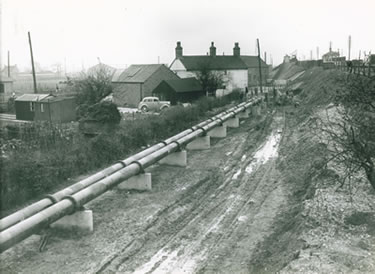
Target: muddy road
(205,218)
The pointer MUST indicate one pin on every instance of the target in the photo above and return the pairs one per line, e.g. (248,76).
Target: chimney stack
(236,50)
(178,50)
(212,50)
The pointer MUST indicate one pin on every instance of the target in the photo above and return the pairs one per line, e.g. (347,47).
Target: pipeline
(69,203)
(51,199)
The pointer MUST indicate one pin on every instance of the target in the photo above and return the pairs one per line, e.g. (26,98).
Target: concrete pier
(218,132)
(178,158)
(199,143)
(243,114)
(232,122)
(139,182)
(81,220)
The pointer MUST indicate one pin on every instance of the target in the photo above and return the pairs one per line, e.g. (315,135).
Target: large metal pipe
(50,199)
(69,204)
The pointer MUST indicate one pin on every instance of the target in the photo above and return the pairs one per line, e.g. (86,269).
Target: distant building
(14,71)
(330,56)
(239,71)
(179,90)
(6,89)
(131,85)
(45,107)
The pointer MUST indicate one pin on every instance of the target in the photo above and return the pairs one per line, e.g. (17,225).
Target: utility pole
(8,64)
(32,64)
(349,45)
(260,68)
(310,54)
(265,57)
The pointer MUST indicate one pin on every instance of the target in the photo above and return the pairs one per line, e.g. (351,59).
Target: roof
(220,62)
(185,85)
(135,73)
(5,79)
(31,97)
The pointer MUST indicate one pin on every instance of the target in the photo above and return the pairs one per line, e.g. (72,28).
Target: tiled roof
(185,85)
(220,62)
(32,97)
(135,73)
(252,61)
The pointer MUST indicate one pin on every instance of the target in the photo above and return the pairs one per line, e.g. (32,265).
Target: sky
(79,33)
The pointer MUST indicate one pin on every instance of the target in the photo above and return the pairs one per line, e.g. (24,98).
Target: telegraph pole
(8,64)
(349,45)
(260,68)
(32,64)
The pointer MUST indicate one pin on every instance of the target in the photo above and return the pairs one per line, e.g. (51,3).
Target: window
(32,106)
(2,88)
(41,108)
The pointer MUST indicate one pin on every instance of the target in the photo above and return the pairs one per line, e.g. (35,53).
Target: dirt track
(208,217)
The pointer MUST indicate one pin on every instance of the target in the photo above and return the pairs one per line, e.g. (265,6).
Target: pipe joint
(203,129)
(164,143)
(141,169)
(178,145)
(122,163)
(52,198)
(76,204)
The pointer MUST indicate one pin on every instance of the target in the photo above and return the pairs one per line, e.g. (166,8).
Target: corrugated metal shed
(31,97)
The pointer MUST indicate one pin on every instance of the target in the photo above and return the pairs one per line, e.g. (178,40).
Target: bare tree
(349,129)
(210,80)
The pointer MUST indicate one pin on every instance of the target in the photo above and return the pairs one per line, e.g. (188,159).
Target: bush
(49,154)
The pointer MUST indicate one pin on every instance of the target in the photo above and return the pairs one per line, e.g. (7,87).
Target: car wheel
(163,108)
(144,109)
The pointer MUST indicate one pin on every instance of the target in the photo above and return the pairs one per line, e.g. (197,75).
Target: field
(45,83)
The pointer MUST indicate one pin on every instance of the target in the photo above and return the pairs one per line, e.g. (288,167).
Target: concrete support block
(255,110)
(199,143)
(178,158)
(232,122)
(81,221)
(218,132)
(243,114)
(139,182)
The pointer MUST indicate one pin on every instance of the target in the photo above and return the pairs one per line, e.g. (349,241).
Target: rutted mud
(207,217)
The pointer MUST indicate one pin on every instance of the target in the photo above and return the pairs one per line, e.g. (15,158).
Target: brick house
(131,85)
(239,71)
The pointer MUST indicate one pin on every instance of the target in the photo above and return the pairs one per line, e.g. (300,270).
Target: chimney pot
(178,50)
(236,49)
(212,50)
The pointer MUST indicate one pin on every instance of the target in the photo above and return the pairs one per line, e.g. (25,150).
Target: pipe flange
(221,121)
(51,197)
(76,205)
(178,145)
(122,163)
(164,143)
(141,169)
(204,130)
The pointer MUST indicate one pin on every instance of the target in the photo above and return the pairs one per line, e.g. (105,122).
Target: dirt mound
(286,71)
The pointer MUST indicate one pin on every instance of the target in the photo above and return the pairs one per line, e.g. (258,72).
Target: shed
(45,107)
(131,85)
(25,106)
(180,90)
(6,90)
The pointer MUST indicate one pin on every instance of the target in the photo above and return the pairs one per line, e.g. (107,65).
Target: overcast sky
(124,32)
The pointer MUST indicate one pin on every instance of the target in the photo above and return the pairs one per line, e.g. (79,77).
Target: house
(239,71)
(179,90)
(45,107)
(13,70)
(6,89)
(131,85)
